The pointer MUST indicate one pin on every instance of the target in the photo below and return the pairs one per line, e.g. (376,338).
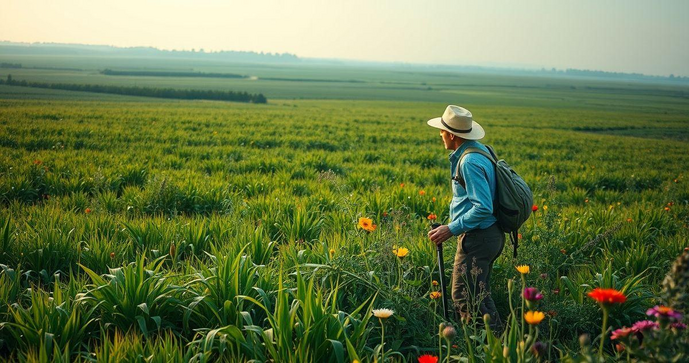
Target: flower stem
(382,339)
(440,343)
(602,335)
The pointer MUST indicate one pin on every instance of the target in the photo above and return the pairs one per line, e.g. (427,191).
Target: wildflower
(435,295)
(432,217)
(532,294)
(664,312)
(385,214)
(434,283)
(87,211)
(112,255)
(519,236)
(676,181)
(455,346)
(544,276)
(667,209)
(556,291)
(523,269)
(367,224)
(643,325)
(449,332)
(607,296)
(433,199)
(619,348)
(678,326)
(401,185)
(545,207)
(629,220)
(586,200)
(331,252)
(427,358)
(37,162)
(621,333)
(422,192)
(382,313)
(563,251)
(534,208)
(401,252)
(538,349)
(534,317)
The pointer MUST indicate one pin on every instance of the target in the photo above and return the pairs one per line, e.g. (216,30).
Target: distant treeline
(110,72)
(19,66)
(183,94)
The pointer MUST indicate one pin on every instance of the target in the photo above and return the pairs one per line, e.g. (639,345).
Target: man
(480,239)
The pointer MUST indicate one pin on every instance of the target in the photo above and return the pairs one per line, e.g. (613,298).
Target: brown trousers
(476,252)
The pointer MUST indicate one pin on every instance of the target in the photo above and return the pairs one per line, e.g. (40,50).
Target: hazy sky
(649,37)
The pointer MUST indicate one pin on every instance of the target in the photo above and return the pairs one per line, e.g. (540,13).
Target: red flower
(534,208)
(607,296)
(432,217)
(87,211)
(422,192)
(427,358)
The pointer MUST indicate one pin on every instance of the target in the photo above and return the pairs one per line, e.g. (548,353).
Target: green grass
(215,230)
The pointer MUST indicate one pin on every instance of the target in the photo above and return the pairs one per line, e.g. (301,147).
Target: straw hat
(457,120)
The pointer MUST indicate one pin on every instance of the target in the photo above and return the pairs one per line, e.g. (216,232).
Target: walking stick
(441,272)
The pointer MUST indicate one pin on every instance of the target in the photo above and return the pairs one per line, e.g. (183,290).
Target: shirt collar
(456,154)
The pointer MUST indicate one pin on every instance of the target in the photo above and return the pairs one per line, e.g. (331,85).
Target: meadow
(142,229)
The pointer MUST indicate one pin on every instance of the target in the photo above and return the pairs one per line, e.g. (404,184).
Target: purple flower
(644,325)
(679,326)
(532,294)
(664,312)
(538,349)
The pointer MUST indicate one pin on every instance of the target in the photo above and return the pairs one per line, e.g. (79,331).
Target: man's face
(446,139)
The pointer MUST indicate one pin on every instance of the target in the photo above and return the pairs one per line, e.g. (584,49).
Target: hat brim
(476,132)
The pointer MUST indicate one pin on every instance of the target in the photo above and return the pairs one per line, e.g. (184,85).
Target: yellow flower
(401,252)
(436,295)
(534,317)
(367,224)
(332,252)
(434,282)
(523,269)
(382,313)
(545,207)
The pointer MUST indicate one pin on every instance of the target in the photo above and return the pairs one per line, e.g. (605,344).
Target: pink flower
(621,333)
(664,312)
(532,294)
(644,325)
(679,326)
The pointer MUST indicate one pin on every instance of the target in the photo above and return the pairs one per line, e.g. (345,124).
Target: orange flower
(432,217)
(586,200)
(112,255)
(401,252)
(434,283)
(607,296)
(401,185)
(427,358)
(422,192)
(667,209)
(534,317)
(523,269)
(435,295)
(87,211)
(519,235)
(367,224)
(629,220)
(433,199)
(37,162)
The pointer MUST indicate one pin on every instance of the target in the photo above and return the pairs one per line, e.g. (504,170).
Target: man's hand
(440,234)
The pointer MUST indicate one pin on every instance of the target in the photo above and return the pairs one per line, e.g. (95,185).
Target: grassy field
(223,231)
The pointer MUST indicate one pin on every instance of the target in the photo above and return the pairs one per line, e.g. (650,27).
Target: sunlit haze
(650,37)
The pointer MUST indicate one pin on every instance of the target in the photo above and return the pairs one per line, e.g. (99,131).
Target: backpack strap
(491,156)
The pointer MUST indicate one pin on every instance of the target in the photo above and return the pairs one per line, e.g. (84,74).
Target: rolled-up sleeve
(478,194)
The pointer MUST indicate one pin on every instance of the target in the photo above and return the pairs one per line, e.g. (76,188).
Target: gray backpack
(514,200)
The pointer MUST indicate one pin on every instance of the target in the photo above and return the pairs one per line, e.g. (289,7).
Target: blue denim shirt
(472,208)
